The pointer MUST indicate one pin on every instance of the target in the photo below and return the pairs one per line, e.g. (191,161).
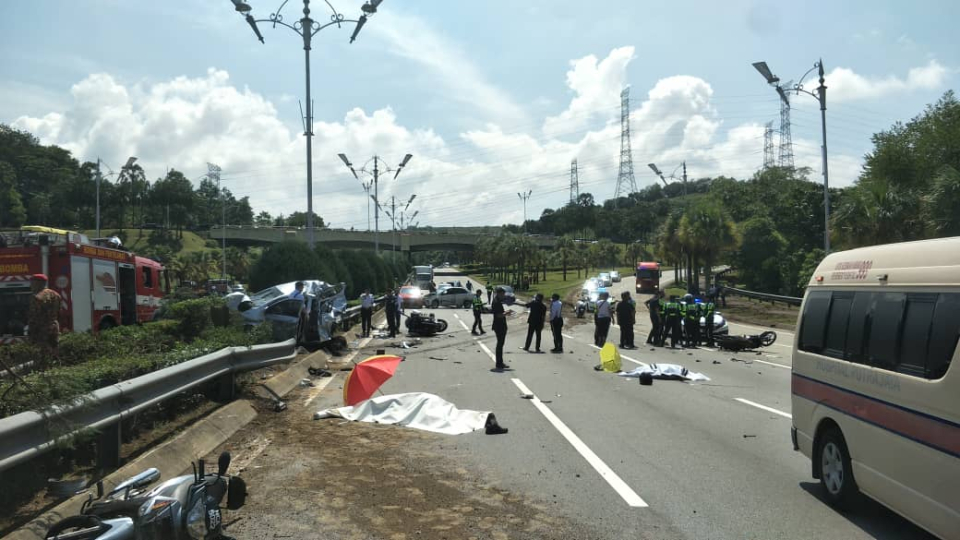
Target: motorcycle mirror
(223,463)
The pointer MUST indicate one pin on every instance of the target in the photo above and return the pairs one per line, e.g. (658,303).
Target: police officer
(556,323)
(391,305)
(671,322)
(692,324)
(655,306)
(538,315)
(477,311)
(499,327)
(626,317)
(602,318)
(43,313)
(709,310)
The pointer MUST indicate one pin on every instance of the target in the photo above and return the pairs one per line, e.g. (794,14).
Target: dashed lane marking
(463,324)
(626,492)
(764,407)
(568,336)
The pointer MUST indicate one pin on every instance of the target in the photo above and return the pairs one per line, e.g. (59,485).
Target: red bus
(648,277)
(101,286)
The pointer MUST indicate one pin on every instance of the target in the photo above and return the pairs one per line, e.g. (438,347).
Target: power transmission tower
(626,183)
(786,141)
(574,182)
(768,157)
(213,173)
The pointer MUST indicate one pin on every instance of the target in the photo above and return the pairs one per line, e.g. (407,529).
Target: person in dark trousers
(489,294)
(556,323)
(538,315)
(671,323)
(469,285)
(602,318)
(654,305)
(626,317)
(691,323)
(393,310)
(499,327)
(477,304)
(366,312)
(397,312)
(708,311)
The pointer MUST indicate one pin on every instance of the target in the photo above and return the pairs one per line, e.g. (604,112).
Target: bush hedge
(87,362)
(357,269)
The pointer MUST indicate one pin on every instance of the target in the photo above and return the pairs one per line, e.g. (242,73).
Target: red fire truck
(102,286)
(648,277)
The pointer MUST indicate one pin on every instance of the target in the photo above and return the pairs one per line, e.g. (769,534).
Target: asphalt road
(614,459)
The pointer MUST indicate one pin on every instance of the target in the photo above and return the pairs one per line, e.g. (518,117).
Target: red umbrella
(367,376)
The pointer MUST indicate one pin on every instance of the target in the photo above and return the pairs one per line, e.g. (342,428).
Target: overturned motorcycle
(423,325)
(185,507)
(740,343)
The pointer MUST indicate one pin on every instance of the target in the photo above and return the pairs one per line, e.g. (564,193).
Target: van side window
(147,277)
(916,333)
(814,321)
(943,335)
(859,327)
(885,330)
(837,325)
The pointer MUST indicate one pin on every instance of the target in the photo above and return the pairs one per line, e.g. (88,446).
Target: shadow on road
(873,518)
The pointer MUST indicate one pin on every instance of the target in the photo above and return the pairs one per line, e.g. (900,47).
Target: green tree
(12,212)
(284,262)
(762,248)
(941,204)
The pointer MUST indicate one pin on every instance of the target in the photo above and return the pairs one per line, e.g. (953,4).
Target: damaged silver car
(313,320)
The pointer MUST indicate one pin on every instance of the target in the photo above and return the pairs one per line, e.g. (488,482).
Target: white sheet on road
(418,410)
(666,371)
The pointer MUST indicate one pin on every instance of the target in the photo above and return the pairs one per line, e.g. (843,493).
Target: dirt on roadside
(745,310)
(332,479)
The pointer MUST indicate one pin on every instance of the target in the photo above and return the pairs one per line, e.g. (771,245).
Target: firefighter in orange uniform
(44,310)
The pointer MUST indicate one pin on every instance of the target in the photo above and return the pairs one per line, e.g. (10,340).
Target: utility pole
(306,28)
(213,171)
(366,192)
(626,182)
(524,197)
(684,181)
(99,179)
(376,182)
(574,182)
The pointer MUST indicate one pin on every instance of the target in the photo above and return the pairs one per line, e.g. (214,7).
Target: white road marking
(315,391)
(455,315)
(764,407)
(605,472)
(463,324)
(242,461)
(484,347)
(568,336)
(639,363)
(773,364)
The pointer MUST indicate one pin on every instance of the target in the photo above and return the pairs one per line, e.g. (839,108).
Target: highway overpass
(334,238)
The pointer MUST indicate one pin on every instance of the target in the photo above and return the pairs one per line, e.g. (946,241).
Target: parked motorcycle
(580,309)
(183,508)
(424,325)
(739,343)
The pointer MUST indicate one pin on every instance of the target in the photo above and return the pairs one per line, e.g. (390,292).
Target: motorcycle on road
(182,508)
(423,325)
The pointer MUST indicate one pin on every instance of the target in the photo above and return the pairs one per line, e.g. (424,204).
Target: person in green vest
(671,323)
(709,309)
(477,311)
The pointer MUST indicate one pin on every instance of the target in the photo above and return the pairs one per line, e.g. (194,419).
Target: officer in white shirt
(556,323)
(297,293)
(366,312)
(602,320)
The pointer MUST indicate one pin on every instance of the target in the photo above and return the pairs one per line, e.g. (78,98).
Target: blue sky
(491,97)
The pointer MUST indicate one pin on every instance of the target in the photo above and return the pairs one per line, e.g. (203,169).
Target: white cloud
(596,85)
(845,85)
(473,179)
(412,38)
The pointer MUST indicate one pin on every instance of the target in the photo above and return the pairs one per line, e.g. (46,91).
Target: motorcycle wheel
(442,325)
(91,525)
(767,338)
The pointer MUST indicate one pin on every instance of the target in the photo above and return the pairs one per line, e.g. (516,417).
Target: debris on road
(492,427)
(441,358)
(306,383)
(418,410)
(672,372)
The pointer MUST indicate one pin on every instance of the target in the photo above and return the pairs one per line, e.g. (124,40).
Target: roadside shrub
(194,316)
(288,261)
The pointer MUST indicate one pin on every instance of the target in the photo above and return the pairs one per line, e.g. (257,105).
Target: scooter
(739,343)
(580,309)
(426,326)
(183,508)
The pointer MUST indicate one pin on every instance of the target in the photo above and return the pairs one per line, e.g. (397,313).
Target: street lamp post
(375,174)
(306,28)
(672,176)
(821,97)
(524,197)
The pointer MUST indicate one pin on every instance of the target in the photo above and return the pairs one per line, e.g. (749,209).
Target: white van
(876,403)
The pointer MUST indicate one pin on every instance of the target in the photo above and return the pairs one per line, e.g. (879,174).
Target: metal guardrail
(28,434)
(766,297)
(351,315)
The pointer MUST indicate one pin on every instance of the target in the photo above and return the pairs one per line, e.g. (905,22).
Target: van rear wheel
(836,472)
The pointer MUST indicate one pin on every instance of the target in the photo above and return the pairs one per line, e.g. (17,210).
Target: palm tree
(566,252)
(669,247)
(876,211)
(238,263)
(706,231)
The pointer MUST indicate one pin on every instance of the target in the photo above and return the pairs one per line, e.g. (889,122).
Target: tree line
(771,226)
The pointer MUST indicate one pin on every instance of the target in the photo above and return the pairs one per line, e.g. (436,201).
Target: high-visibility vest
(693,311)
(672,308)
(683,309)
(710,307)
(477,303)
